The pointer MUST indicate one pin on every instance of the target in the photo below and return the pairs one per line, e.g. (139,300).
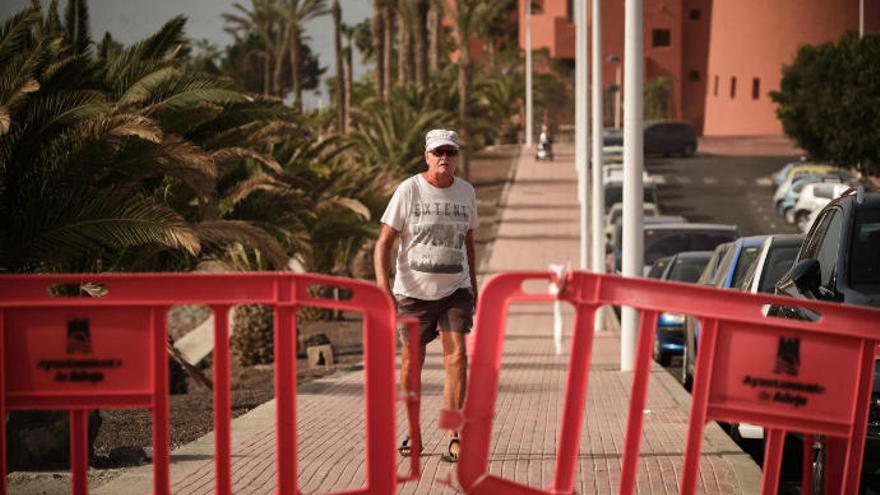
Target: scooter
(545,149)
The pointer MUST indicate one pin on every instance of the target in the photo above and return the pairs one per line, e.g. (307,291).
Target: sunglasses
(439,153)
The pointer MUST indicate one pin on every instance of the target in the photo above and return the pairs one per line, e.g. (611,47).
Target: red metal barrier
(787,375)
(82,353)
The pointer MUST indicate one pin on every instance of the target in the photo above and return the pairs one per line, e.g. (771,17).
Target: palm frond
(15,35)
(224,232)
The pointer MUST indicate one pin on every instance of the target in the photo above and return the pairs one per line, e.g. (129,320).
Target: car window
(778,263)
(823,191)
(666,242)
(712,266)
(687,270)
(865,257)
(814,237)
(658,268)
(829,248)
(747,258)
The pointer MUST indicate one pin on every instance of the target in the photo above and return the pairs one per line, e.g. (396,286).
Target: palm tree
(378,31)
(340,76)
(435,15)
(348,32)
(259,19)
(466,18)
(77,33)
(420,42)
(404,42)
(387,45)
(294,14)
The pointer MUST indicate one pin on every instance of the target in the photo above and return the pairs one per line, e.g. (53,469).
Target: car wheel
(663,358)
(688,151)
(789,215)
(802,219)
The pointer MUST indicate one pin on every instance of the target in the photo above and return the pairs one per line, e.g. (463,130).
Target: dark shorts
(454,313)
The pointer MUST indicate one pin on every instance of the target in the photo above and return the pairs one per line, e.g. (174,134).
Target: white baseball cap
(436,138)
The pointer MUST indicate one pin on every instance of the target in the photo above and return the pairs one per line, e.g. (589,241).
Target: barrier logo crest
(788,357)
(79,341)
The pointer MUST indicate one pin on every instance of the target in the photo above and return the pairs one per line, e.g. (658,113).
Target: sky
(131,20)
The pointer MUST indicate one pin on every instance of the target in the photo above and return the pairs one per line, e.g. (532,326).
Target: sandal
(449,455)
(405,449)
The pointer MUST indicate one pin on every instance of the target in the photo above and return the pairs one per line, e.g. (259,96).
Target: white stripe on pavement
(683,180)
(658,179)
(764,181)
(710,180)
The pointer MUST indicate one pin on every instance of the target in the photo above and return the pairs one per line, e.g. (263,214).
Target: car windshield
(865,258)
(658,268)
(659,243)
(614,194)
(778,263)
(748,256)
(687,269)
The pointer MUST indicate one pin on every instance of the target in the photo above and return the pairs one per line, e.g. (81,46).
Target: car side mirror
(807,277)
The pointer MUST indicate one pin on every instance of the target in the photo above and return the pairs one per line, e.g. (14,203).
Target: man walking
(434,215)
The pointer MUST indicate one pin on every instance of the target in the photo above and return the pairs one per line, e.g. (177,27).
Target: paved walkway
(538,227)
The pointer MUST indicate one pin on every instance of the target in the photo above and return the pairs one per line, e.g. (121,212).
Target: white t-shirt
(432,260)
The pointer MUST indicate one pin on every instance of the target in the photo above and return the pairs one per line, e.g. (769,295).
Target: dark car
(839,261)
(661,137)
(680,267)
(668,239)
(616,244)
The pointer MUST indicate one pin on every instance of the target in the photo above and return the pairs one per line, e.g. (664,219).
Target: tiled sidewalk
(539,226)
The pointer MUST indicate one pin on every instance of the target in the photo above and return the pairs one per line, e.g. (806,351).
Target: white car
(613,172)
(612,216)
(813,197)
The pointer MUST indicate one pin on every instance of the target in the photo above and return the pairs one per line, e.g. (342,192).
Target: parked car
(785,206)
(614,193)
(839,261)
(613,172)
(793,178)
(775,258)
(805,168)
(686,267)
(616,244)
(780,176)
(659,267)
(668,239)
(814,197)
(689,355)
(661,137)
(731,269)
(614,215)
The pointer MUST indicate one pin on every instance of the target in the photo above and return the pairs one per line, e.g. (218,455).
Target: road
(723,189)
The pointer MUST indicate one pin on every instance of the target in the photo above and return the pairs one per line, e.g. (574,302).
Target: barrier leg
(2,410)
(79,452)
(856,448)
(835,450)
(161,437)
(285,399)
(575,398)
(807,465)
(638,397)
(222,403)
(773,443)
(699,405)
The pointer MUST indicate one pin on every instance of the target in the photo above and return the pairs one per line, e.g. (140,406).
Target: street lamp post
(529,118)
(633,158)
(861,18)
(581,126)
(598,203)
(616,60)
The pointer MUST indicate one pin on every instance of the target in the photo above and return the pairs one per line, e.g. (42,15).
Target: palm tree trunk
(379,47)
(464,92)
(348,87)
(340,77)
(295,55)
(403,45)
(420,32)
(278,76)
(434,38)
(266,72)
(388,35)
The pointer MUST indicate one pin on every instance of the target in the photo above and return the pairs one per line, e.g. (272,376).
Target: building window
(695,14)
(756,88)
(570,10)
(733,87)
(661,37)
(694,75)
(715,87)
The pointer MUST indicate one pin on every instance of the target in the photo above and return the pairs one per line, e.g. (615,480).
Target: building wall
(751,40)
(695,27)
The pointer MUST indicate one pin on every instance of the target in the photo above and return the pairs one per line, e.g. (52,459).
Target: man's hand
(382,258)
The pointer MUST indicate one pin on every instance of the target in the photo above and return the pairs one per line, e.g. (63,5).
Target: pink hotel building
(724,56)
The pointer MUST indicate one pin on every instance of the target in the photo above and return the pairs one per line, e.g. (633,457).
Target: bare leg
(455,364)
(404,375)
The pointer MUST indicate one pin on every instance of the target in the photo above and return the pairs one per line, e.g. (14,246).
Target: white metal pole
(529,109)
(617,95)
(598,203)
(861,18)
(581,83)
(633,158)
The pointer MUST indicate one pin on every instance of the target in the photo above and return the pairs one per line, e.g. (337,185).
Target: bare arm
(382,258)
(471,256)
